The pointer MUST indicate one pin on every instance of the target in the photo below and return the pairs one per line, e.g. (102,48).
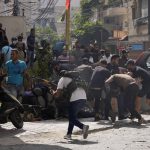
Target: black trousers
(130,95)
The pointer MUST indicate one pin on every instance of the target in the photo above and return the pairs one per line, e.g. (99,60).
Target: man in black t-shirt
(99,76)
(144,77)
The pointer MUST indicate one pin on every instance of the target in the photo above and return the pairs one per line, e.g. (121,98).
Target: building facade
(139,24)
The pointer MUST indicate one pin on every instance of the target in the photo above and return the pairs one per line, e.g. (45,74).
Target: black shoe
(113,117)
(97,118)
(122,117)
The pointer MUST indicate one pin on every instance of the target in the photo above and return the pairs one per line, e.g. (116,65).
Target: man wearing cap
(16,71)
(143,76)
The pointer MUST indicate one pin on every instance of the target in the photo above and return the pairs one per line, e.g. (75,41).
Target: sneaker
(141,121)
(85,131)
(67,137)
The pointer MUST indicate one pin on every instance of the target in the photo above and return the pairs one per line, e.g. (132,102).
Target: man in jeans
(16,71)
(76,102)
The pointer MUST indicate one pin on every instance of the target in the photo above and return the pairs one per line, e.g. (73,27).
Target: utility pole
(16,10)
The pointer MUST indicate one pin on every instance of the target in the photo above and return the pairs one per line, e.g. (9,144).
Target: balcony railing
(141,21)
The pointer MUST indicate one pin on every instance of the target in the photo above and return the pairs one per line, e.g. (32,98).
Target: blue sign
(137,47)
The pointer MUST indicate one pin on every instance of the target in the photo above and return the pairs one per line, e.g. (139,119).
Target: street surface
(48,135)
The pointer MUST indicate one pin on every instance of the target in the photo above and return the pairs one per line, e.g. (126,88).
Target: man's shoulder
(9,62)
(21,62)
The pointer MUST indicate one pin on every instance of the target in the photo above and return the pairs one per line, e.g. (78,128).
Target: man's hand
(57,93)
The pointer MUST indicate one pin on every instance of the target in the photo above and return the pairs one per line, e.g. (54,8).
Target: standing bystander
(31,47)
(16,71)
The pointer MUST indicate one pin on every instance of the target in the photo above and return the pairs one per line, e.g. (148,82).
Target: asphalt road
(103,135)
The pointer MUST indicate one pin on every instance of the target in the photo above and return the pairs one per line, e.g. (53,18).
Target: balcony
(141,21)
(117,11)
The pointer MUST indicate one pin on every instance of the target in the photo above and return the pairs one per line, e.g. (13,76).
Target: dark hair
(130,62)
(103,61)
(115,56)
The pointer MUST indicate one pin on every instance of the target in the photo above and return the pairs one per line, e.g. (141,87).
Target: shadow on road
(78,142)
(33,147)
(95,130)
(10,132)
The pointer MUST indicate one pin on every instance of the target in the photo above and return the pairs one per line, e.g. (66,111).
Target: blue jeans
(15,90)
(74,108)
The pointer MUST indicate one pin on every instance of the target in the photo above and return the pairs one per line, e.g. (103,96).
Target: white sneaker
(67,136)
(85,131)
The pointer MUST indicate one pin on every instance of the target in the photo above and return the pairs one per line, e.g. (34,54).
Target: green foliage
(46,33)
(83,26)
(43,56)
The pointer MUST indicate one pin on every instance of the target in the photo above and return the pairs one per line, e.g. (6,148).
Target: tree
(46,37)
(85,30)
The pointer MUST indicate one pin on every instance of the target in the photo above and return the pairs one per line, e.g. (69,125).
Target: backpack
(2,56)
(76,82)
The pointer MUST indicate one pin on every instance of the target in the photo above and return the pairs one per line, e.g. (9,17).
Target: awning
(124,38)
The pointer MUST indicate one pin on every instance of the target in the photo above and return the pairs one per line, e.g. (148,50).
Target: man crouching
(129,89)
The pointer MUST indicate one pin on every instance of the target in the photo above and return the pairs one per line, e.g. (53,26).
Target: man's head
(115,59)
(14,54)
(130,64)
(124,53)
(103,63)
(107,53)
(32,31)
(20,38)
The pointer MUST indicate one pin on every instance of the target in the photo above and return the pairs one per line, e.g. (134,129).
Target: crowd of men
(114,82)
(15,58)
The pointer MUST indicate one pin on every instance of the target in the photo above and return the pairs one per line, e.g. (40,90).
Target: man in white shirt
(76,102)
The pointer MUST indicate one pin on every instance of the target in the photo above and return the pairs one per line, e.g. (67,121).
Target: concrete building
(115,20)
(139,37)
(28,9)
(128,24)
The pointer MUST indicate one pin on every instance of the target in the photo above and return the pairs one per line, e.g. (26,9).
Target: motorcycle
(10,108)
(38,102)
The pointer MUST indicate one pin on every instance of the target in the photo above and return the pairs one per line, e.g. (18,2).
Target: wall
(137,33)
(14,26)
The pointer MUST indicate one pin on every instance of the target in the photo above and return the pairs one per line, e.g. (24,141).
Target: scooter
(38,102)
(10,108)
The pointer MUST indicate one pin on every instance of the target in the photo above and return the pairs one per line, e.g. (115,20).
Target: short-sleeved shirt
(121,80)
(15,72)
(79,93)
